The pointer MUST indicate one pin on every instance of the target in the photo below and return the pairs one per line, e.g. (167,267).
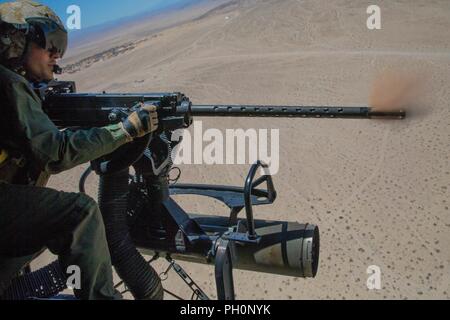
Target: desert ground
(377,189)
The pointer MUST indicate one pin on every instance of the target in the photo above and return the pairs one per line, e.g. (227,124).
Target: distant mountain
(78,37)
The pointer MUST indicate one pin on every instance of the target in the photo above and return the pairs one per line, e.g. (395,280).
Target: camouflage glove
(141,122)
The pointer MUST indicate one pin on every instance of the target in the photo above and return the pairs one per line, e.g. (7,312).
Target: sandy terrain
(379,190)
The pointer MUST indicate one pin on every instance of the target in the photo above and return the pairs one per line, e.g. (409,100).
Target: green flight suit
(70,225)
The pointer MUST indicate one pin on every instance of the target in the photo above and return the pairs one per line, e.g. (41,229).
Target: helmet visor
(50,36)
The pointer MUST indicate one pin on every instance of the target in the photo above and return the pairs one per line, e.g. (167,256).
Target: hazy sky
(94,12)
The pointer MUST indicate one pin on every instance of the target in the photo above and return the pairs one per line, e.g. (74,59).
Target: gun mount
(140,213)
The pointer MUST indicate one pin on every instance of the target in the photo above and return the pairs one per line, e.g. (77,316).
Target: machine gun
(141,216)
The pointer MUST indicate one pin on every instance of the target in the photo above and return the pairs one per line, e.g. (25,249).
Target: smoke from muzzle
(395,89)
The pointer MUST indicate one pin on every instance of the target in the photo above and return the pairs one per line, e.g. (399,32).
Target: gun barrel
(293,111)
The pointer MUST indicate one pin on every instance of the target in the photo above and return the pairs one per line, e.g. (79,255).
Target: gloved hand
(141,122)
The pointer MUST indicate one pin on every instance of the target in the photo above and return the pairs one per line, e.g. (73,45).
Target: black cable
(83,178)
